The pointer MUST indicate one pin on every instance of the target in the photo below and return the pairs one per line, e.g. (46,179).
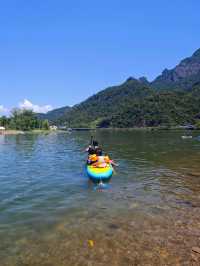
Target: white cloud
(26,104)
(3,110)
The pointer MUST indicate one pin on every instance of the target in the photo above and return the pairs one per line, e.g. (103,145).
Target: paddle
(91,140)
(114,171)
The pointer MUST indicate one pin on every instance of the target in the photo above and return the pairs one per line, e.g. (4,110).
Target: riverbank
(11,132)
(20,132)
(173,128)
(44,131)
(144,129)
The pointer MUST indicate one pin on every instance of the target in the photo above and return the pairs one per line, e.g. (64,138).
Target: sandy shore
(11,132)
(19,132)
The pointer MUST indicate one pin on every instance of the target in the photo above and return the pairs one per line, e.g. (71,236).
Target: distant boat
(186,137)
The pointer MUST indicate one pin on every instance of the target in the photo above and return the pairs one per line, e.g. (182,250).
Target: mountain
(105,104)
(184,76)
(173,98)
(55,114)
(133,104)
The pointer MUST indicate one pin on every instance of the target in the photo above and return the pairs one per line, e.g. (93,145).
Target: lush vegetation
(134,104)
(23,120)
(54,114)
(166,108)
(172,99)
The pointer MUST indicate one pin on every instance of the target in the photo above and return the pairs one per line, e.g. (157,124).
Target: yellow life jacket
(106,159)
(93,158)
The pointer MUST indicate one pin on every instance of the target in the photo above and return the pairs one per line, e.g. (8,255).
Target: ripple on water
(50,214)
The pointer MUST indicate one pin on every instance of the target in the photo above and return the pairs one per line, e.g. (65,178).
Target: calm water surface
(148,215)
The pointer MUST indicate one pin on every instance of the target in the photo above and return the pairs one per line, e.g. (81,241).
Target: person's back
(101,159)
(90,150)
(97,149)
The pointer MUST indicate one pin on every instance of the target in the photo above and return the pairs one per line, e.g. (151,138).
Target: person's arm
(113,163)
(88,148)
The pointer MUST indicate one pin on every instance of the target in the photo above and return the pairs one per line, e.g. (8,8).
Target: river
(50,214)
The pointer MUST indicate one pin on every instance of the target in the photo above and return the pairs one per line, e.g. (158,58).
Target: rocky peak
(144,80)
(184,75)
(197,53)
(130,79)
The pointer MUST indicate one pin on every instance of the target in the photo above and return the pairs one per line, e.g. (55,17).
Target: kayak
(98,174)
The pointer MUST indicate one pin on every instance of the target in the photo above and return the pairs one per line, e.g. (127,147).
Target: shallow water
(50,214)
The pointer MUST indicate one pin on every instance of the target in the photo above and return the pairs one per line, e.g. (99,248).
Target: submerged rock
(113,226)
(196,250)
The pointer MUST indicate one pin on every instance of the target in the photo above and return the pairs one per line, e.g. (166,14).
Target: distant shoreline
(11,132)
(38,131)
(135,128)
(20,132)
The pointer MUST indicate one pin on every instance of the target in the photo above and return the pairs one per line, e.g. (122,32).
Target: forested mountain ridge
(133,104)
(105,104)
(173,98)
(54,114)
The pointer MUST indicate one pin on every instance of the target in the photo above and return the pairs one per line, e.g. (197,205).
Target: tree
(45,124)
(4,121)
(23,119)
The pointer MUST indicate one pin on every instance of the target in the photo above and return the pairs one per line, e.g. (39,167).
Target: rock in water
(196,249)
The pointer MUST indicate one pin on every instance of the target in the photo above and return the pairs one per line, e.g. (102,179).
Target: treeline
(165,109)
(133,104)
(23,119)
(172,99)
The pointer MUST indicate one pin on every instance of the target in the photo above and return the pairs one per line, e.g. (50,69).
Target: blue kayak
(98,174)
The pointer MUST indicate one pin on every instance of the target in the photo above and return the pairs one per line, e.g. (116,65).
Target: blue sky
(59,52)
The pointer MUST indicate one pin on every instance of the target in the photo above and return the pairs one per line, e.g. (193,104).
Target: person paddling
(97,149)
(90,149)
(93,148)
(93,152)
(96,157)
(103,160)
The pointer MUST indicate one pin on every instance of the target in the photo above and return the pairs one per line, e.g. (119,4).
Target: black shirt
(91,151)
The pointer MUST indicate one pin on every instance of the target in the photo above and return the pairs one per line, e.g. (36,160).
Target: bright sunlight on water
(50,214)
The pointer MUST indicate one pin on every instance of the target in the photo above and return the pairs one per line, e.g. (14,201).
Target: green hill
(171,99)
(54,115)
(105,104)
(133,104)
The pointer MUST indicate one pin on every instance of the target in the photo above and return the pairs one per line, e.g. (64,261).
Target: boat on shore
(186,137)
